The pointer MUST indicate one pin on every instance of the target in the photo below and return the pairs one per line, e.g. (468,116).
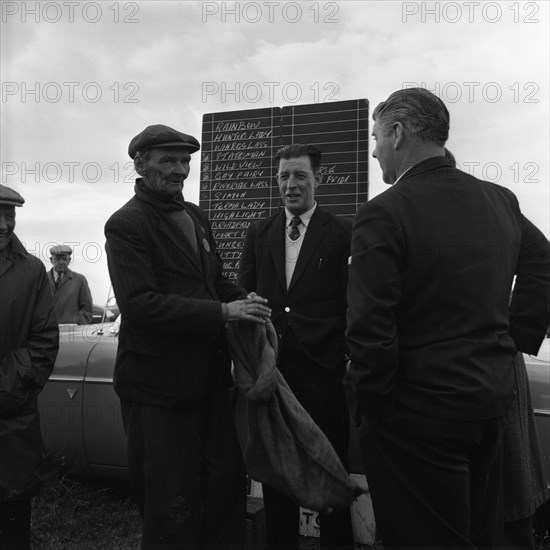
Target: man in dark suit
(72,296)
(431,337)
(172,368)
(298,260)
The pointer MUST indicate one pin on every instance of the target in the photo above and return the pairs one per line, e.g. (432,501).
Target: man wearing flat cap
(29,340)
(172,371)
(73,300)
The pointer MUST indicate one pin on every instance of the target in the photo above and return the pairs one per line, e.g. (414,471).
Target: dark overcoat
(172,330)
(29,340)
(73,299)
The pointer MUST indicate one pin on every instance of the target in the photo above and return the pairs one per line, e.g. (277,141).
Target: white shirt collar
(409,168)
(305,217)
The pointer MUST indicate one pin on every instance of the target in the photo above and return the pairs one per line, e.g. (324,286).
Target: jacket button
(287,309)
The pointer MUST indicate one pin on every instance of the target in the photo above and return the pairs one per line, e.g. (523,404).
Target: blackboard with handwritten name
(238,185)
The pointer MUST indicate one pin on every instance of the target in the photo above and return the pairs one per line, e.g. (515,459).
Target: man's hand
(253,309)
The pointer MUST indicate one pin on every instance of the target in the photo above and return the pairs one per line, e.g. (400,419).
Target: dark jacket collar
(68,274)
(160,208)
(427,165)
(14,251)
(157,201)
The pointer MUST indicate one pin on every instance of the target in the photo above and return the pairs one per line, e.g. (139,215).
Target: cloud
(154,68)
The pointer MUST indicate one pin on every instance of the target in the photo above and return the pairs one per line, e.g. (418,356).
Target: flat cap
(159,135)
(10,197)
(60,249)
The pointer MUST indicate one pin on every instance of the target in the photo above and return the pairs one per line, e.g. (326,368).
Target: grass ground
(85,514)
(92,514)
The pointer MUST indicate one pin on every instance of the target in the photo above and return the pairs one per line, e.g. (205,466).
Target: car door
(103,431)
(60,402)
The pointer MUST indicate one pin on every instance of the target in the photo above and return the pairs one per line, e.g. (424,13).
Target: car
(101,314)
(80,414)
(81,417)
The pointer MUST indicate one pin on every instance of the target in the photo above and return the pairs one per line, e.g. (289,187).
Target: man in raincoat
(72,296)
(29,340)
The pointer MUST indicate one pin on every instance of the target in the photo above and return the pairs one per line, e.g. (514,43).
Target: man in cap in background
(73,300)
(172,370)
(29,340)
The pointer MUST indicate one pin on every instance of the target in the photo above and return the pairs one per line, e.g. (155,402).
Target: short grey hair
(420,111)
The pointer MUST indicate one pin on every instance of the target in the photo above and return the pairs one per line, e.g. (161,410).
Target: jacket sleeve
(137,292)
(247,266)
(26,369)
(530,305)
(374,291)
(85,309)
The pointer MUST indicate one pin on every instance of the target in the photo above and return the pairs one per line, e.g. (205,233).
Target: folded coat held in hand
(282,445)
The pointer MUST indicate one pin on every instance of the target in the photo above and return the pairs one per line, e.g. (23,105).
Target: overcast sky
(80,79)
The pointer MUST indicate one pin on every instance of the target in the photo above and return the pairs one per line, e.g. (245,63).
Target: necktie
(294,232)
(58,280)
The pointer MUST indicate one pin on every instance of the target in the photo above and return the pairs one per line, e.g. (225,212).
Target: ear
(139,165)
(318,179)
(398,134)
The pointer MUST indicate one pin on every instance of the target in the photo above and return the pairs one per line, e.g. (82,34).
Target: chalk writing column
(236,176)
(340,130)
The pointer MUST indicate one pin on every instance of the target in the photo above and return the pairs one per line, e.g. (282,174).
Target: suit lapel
(276,242)
(66,276)
(315,232)
(202,238)
(6,261)
(5,265)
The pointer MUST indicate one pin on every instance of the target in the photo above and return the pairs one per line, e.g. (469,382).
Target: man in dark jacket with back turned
(172,368)
(431,336)
(29,340)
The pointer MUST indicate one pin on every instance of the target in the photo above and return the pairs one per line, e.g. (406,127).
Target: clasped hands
(254,308)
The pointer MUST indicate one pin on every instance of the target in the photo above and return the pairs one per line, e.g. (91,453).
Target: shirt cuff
(225,312)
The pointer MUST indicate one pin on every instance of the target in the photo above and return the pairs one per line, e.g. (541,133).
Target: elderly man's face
(60,262)
(384,154)
(297,184)
(165,170)
(7,224)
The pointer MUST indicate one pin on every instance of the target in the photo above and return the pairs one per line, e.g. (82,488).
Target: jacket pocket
(15,382)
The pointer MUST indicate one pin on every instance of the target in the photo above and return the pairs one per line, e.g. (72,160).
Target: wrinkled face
(7,224)
(165,170)
(384,154)
(60,262)
(297,184)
